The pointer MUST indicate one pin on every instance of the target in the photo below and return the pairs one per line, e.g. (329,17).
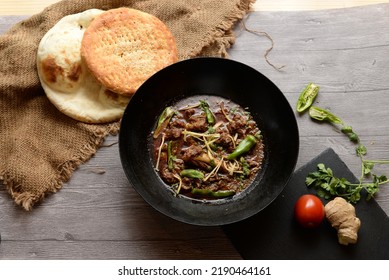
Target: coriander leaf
(379,179)
(367,167)
(348,130)
(309,180)
(329,186)
(353,137)
(361,150)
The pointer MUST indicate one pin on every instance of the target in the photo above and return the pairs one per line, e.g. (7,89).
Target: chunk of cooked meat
(189,112)
(191,152)
(238,124)
(178,123)
(225,140)
(167,176)
(197,123)
(173,133)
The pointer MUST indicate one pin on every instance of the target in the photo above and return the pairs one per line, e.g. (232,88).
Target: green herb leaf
(329,186)
(367,167)
(361,150)
(348,130)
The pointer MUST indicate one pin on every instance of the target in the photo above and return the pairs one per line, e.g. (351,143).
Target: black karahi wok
(221,77)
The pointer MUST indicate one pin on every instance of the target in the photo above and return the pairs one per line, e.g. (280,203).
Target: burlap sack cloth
(41,147)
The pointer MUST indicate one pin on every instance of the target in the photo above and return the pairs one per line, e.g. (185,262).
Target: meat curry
(207,147)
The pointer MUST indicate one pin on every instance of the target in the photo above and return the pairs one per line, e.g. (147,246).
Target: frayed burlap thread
(40,148)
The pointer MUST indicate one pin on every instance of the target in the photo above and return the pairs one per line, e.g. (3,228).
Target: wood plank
(124,250)
(83,219)
(309,5)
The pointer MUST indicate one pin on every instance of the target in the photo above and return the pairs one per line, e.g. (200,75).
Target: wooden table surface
(97,215)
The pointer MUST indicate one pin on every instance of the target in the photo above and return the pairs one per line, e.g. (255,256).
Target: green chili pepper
(192,173)
(210,117)
(307,96)
(164,120)
(216,194)
(244,146)
(323,115)
(169,156)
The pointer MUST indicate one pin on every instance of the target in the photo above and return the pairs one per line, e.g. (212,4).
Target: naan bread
(65,78)
(123,47)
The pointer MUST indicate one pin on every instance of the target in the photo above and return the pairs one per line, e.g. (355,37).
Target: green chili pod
(192,173)
(210,117)
(210,193)
(169,156)
(163,120)
(223,193)
(323,115)
(307,96)
(244,146)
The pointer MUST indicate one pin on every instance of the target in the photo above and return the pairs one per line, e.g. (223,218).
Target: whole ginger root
(341,215)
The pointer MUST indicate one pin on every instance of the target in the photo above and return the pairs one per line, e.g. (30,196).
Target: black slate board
(274,234)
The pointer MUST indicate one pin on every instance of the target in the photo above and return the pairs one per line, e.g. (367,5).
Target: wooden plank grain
(319,45)
(128,250)
(306,5)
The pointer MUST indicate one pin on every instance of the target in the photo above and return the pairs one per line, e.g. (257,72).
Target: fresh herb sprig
(329,186)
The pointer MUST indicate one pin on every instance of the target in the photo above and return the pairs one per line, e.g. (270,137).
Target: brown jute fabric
(41,147)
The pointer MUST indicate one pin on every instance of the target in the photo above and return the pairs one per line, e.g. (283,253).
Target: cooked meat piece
(178,123)
(173,133)
(167,176)
(188,113)
(191,152)
(225,140)
(238,125)
(178,164)
(253,161)
(188,183)
(197,123)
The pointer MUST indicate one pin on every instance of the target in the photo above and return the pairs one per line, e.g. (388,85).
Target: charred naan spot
(75,72)
(51,70)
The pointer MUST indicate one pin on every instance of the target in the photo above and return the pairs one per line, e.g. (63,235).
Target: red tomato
(309,211)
